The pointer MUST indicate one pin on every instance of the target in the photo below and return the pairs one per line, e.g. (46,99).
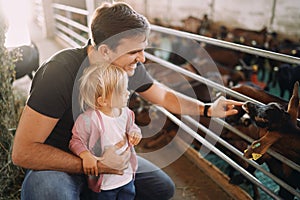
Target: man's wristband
(206,107)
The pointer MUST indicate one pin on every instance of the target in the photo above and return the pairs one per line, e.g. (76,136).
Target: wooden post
(48,27)
(90,7)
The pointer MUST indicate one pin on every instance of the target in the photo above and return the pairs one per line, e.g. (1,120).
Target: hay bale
(11,176)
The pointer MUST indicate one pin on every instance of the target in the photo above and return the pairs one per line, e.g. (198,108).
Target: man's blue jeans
(150,183)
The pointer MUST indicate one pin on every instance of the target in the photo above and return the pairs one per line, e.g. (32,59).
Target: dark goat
(242,122)
(249,37)
(286,76)
(282,133)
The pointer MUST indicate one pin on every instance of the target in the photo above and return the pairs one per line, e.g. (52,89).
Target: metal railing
(229,45)
(221,154)
(67,28)
(228,126)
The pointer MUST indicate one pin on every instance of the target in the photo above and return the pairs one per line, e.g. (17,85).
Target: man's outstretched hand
(223,107)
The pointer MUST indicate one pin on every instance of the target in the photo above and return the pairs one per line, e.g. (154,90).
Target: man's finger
(96,171)
(233,102)
(231,112)
(120,144)
(126,155)
(107,170)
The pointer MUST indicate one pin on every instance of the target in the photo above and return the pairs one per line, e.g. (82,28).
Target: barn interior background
(280,16)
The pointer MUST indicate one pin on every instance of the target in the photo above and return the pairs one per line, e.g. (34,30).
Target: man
(119,36)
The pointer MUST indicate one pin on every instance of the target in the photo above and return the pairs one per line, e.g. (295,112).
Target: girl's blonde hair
(101,80)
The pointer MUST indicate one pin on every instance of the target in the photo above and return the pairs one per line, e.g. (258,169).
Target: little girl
(106,121)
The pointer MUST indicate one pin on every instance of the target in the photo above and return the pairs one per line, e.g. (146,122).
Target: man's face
(129,52)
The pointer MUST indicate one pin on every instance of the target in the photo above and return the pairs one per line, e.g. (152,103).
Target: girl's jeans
(126,192)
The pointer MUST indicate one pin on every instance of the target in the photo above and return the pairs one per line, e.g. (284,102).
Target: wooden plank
(213,172)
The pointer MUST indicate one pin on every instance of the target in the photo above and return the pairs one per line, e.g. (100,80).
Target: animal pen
(211,134)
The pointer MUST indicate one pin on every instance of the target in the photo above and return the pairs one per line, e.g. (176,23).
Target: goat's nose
(246,121)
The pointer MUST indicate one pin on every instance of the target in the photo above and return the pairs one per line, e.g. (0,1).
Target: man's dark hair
(113,21)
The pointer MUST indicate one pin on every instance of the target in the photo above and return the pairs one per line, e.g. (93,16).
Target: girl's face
(129,53)
(119,100)
(119,97)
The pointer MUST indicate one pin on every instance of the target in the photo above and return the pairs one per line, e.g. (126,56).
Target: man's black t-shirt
(54,91)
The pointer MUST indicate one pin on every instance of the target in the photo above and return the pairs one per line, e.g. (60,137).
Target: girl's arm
(80,134)
(133,131)
(89,162)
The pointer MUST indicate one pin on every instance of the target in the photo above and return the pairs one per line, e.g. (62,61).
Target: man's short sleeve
(51,90)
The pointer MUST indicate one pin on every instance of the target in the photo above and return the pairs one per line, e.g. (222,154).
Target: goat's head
(273,121)
(271,116)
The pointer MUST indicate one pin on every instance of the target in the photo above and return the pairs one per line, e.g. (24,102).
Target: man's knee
(154,185)
(51,185)
(167,190)
(171,189)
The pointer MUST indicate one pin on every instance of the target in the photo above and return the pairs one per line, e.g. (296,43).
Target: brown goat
(282,133)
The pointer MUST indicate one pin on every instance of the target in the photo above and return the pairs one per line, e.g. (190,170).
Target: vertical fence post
(146,8)
(271,21)
(90,7)
(48,26)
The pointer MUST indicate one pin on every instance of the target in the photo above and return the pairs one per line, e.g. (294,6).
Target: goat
(282,133)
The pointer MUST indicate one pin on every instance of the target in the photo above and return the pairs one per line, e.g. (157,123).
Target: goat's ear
(294,103)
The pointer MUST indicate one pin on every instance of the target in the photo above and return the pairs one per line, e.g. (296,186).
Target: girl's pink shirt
(92,131)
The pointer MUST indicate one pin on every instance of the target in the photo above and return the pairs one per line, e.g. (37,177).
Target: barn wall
(287,17)
(282,16)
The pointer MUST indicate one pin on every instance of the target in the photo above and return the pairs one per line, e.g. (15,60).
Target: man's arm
(29,150)
(181,104)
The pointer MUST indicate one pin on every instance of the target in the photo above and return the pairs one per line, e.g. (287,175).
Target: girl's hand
(134,138)
(89,163)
